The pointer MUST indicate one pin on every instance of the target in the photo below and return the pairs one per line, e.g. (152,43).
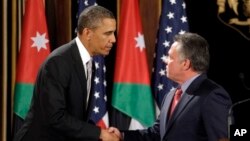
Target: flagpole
(14,44)
(4,73)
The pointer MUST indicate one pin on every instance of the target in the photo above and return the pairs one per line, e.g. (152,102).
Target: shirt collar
(186,84)
(85,56)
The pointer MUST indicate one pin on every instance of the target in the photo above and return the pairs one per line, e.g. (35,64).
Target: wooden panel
(58,14)
(3,96)
(150,21)
(14,48)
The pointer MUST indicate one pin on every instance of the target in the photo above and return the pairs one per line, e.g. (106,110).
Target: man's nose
(113,39)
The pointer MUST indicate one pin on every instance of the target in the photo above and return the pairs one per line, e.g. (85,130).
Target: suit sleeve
(214,113)
(150,134)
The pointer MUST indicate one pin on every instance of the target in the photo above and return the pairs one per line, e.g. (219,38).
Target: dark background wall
(229,51)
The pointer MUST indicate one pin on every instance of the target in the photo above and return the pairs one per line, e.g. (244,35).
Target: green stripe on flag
(134,100)
(23,95)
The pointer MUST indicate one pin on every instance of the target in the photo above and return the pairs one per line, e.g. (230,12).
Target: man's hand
(108,136)
(116,132)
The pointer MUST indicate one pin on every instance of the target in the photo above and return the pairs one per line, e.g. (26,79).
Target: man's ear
(186,64)
(87,33)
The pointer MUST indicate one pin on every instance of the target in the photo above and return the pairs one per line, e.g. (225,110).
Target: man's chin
(106,53)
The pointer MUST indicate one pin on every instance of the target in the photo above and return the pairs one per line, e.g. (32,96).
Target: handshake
(110,134)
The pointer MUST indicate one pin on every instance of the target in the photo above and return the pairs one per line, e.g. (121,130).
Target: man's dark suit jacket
(59,110)
(201,115)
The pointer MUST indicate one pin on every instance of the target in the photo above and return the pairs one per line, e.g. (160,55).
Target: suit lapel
(187,97)
(164,112)
(78,64)
(179,108)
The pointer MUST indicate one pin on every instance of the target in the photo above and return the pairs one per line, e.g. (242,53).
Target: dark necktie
(177,97)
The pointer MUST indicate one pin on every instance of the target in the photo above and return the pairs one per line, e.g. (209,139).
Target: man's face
(174,65)
(103,37)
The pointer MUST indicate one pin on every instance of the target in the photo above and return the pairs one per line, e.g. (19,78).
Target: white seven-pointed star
(140,41)
(39,41)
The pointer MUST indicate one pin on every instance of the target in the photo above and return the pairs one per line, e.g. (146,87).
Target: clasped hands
(110,134)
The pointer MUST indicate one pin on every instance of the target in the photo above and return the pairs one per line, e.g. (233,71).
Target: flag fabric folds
(173,21)
(33,51)
(131,92)
(99,113)
(82,4)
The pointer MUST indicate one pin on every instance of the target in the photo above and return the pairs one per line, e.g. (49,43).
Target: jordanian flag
(33,51)
(131,92)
